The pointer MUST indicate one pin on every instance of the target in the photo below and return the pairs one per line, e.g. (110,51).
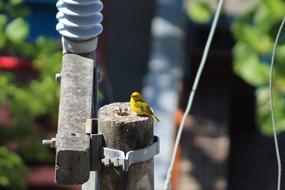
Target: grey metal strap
(118,158)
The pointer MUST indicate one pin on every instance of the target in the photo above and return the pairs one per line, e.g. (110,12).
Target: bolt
(58,78)
(106,161)
(51,142)
(46,142)
(103,161)
(116,161)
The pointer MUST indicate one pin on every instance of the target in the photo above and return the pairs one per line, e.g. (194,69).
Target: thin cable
(192,94)
(272,105)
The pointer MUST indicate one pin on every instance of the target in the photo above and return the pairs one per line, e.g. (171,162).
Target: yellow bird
(140,106)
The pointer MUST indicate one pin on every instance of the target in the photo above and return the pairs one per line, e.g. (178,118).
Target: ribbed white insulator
(79,19)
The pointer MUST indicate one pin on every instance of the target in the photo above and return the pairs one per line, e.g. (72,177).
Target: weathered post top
(122,113)
(122,129)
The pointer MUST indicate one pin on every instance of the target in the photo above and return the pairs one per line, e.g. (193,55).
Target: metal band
(118,158)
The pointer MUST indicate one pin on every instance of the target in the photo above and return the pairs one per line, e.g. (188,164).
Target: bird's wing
(145,108)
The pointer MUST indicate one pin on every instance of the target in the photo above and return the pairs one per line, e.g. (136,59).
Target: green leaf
(4,181)
(280,61)
(264,114)
(199,12)
(4,85)
(276,7)
(2,40)
(264,19)
(12,170)
(3,21)
(16,2)
(253,37)
(17,30)
(248,65)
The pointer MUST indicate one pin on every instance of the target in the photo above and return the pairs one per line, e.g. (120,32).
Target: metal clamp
(118,158)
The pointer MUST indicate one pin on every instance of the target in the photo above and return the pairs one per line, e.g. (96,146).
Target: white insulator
(79,19)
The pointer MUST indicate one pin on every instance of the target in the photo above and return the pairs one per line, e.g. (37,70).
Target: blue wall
(42,18)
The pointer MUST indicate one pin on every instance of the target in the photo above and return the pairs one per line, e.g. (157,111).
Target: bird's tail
(156,118)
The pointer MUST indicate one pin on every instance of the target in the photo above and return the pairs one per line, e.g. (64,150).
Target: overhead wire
(278,157)
(193,91)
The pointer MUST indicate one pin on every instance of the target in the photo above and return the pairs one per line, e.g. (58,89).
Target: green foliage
(16,2)
(33,104)
(4,85)
(17,30)
(255,33)
(263,111)
(12,170)
(3,21)
(14,8)
(31,101)
(199,12)
(249,66)
(254,37)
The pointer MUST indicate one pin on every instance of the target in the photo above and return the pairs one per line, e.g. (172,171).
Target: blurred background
(154,47)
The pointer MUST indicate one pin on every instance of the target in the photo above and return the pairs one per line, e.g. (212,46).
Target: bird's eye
(135,95)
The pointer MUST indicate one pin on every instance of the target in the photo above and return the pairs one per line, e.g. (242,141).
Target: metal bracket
(91,125)
(119,159)
(108,156)
(95,152)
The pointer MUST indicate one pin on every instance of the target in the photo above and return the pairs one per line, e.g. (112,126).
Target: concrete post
(72,144)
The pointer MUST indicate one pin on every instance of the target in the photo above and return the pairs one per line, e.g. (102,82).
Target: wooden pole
(122,129)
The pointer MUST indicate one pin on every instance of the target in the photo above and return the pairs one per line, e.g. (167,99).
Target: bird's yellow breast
(134,106)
